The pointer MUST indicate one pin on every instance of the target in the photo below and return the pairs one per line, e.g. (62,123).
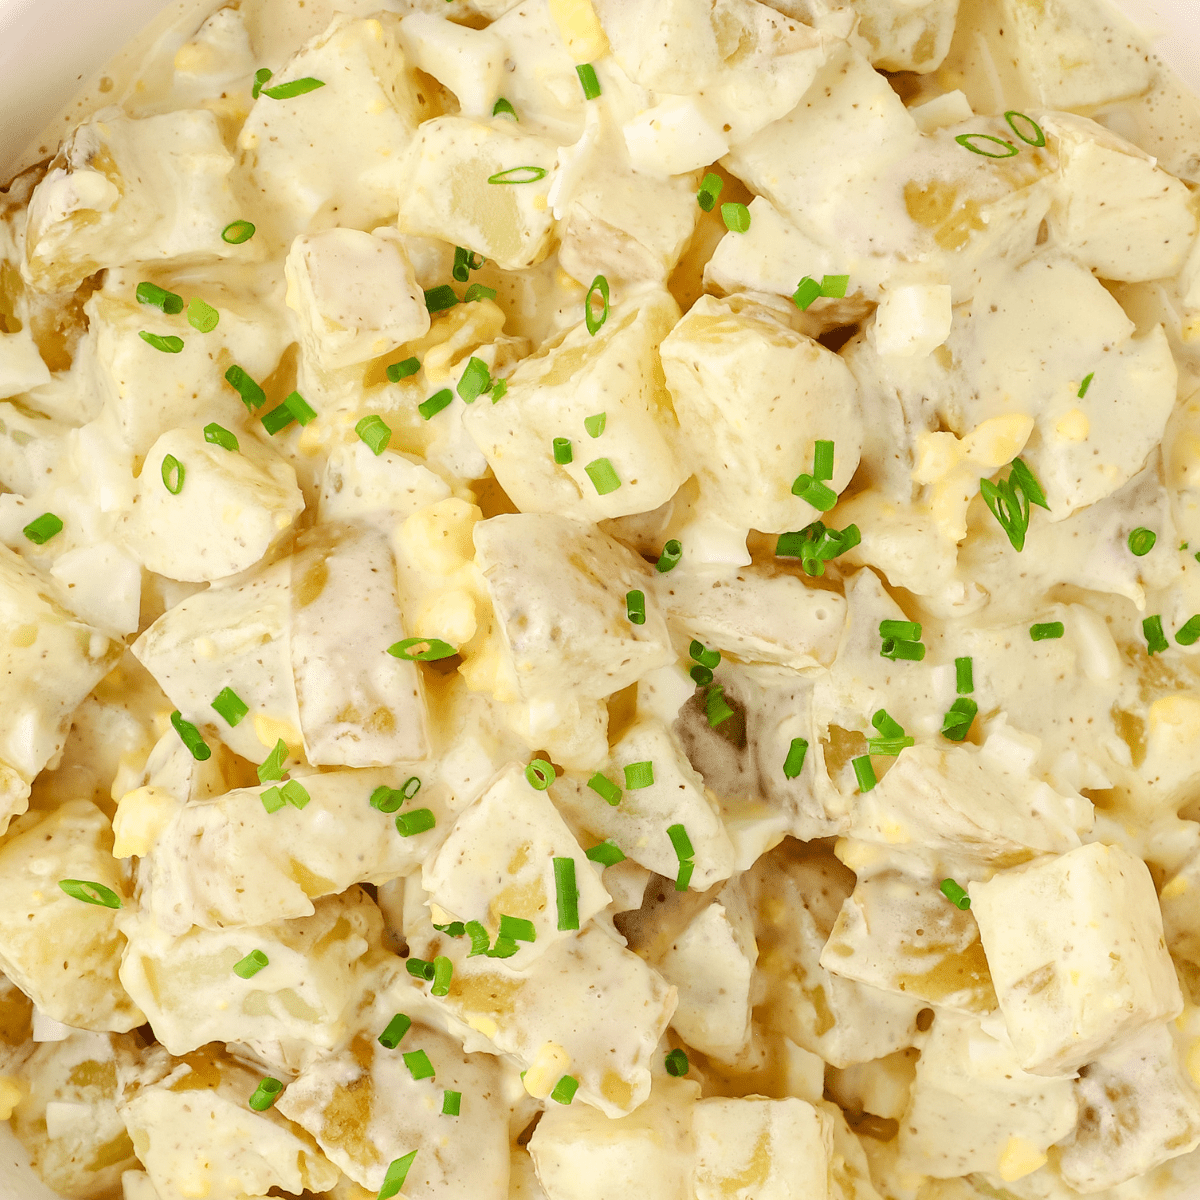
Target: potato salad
(601,598)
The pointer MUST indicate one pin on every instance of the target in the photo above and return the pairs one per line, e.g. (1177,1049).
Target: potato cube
(389,487)
(553,393)
(62,952)
(902,36)
(470,62)
(1076,950)
(665,45)
(103,584)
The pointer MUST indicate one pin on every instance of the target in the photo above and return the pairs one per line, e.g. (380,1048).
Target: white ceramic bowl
(50,48)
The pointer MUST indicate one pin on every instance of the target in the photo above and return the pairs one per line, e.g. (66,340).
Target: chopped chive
(418,1064)
(230,706)
(703,655)
(237,232)
(451,1103)
(375,433)
(397,1172)
(1189,631)
(1021,476)
(677,1063)
(173,473)
(604,787)
(419,820)
(476,292)
(794,763)
(1141,542)
(563,453)
(168,345)
(710,189)
(716,706)
(813,491)
(603,476)
(680,842)
(189,735)
(736,217)
(599,288)
(280,417)
(684,875)
(267,1092)
(479,938)
(499,388)
(454,929)
(419,968)
(565,1089)
(864,773)
(638,775)
(41,529)
(252,395)
(834,286)
(295,794)
(293,88)
(261,76)
(300,408)
(272,799)
(807,290)
(955,894)
(504,948)
(964,675)
(434,405)
(202,316)
(595,424)
(518,175)
(434,648)
(402,370)
(540,774)
(902,648)
(967,142)
(1087,383)
(588,80)
(503,106)
(1038,138)
(890,747)
(251,964)
(701,676)
(635,607)
(461,270)
(518,929)
(397,1027)
(443,972)
(815,545)
(823,460)
(910,631)
(1152,631)
(1009,501)
(474,381)
(386,800)
(1045,631)
(887,725)
(607,853)
(672,552)
(90,892)
(271,767)
(218,435)
(157,297)
(956,724)
(566,893)
(439,299)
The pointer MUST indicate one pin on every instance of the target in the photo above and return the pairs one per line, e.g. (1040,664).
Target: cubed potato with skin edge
(559,590)
(752,398)
(222,513)
(61,952)
(617,372)
(447,195)
(665,45)
(1076,950)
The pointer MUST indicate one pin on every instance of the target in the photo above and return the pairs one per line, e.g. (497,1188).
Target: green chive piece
(1046,631)
(672,552)
(300,408)
(237,232)
(443,971)
(439,299)
(887,725)
(271,767)
(968,140)
(1141,542)
(267,1092)
(710,189)
(910,631)
(864,773)
(202,316)
(566,893)
(476,292)
(834,286)
(375,433)
(173,473)
(1152,631)
(680,842)
(736,217)
(1189,631)
(595,424)
(251,964)
(815,545)
(638,775)
(474,381)
(252,395)
(684,876)
(605,788)
(90,892)
(230,706)
(794,763)
(293,88)
(386,799)
(451,1103)
(280,417)
(703,655)
(955,894)
(591,319)
(701,676)
(454,929)
(635,607)
(410,787)
(1087,383)
(1038,138)
(502,106)
(607,853)
(540,774)
(218,435)
(807,290)
(499,388)
(565,1089)
(261,76)
(588,80)
(397,1172)
(677,1063)
(420,820)
(603,476)
(902,648)
(189,735)
(956,724)
(813,491)
(41,529)
(402,370)
(563,453)
(295,794)
(823,460)
(890,747)
(393,1035)
(168,345)
(716,706)
(418,1064)
(1022,477)
(272,799)
(461,270)
(479,938)
(518,928)
(434,405)
(964,675)
(417,649)
(518,175)
(160,298)
(419,968)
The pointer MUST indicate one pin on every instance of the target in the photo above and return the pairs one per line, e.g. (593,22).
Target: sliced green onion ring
(525,174)
(967,141)
(599,287)
(1039,136)
(90,892)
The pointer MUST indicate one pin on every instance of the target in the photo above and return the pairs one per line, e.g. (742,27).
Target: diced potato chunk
(615,374)
(904,36)
(470,62)
(360,485)
(446,193)
(222,512)
(1076,950)
(752,397)
(62,952)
